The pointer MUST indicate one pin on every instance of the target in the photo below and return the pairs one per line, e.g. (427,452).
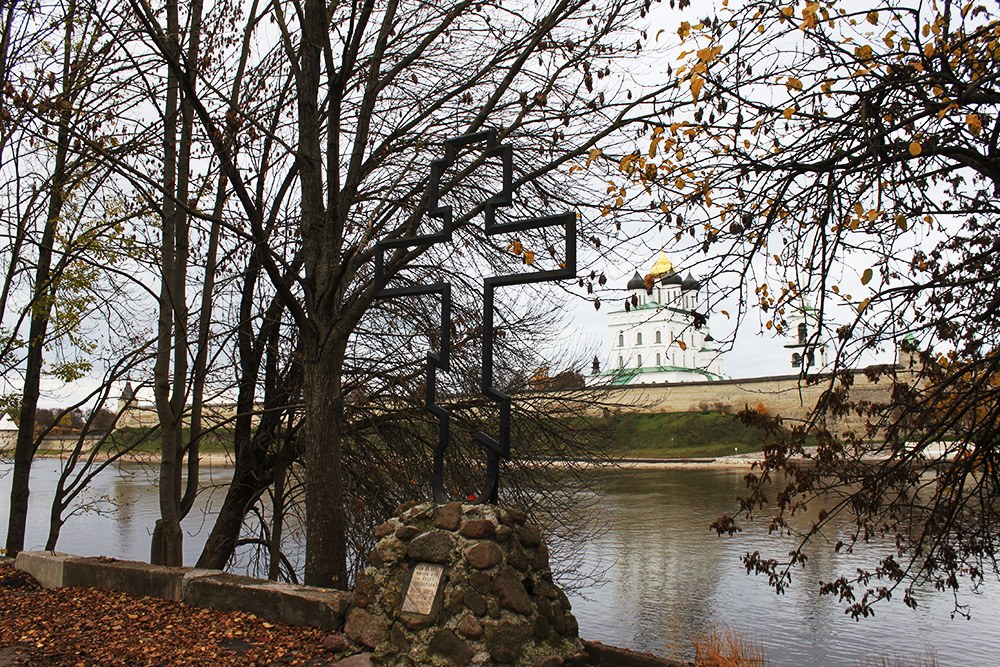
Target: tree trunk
(246,487)
(277,513)
(326,542)
(41,305)
(171,384)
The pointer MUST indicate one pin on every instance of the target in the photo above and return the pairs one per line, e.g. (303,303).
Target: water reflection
(673,578)
(670,578)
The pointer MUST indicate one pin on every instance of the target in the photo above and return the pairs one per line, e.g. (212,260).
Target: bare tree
(376,90)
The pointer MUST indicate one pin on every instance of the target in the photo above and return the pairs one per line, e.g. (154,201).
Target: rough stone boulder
(494,604)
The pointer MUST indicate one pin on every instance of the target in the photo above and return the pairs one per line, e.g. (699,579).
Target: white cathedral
(654,338)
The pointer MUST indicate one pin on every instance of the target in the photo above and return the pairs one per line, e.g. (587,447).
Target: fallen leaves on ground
(84,627)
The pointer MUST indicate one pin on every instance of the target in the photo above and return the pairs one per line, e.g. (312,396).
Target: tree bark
(246,487)
(326,542)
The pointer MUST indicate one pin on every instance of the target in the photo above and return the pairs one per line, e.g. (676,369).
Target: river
(668,578)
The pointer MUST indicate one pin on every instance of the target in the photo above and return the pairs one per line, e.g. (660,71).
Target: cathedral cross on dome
(496,447)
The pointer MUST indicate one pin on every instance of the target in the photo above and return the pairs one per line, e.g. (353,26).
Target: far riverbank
(684,439)
(222,459)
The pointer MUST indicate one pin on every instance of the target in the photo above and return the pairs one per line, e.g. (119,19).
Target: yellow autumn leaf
(652,144)
(901,221)
(915,149)
(679,183)
(793,84)
(975,125)
(593,155)
(696,84)
(873,17)
(787,11)
(529,257)
(859,209)
(928,50)
(809,15)
(684,30)
(866,277)
(787,113)
(605,211)
(516,247)
(681,345)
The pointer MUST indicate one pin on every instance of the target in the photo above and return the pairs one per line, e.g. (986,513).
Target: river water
(668,578)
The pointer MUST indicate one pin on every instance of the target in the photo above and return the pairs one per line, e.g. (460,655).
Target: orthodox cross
(496,448)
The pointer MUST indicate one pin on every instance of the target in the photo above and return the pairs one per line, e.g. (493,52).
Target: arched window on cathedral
(621,340)
(803,333)
(658,339)
(658,357)
(621,363)
(638,362)
(638,338)
(796,360)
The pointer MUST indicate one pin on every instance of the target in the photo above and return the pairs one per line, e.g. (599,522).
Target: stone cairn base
(454,585)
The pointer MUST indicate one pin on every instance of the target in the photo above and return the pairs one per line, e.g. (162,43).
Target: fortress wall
(789,396)
(143,415)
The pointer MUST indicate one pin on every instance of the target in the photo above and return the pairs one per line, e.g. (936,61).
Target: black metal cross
(497,448)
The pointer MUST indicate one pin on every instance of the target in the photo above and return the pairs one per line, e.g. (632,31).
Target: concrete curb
(213,589)
(604,654)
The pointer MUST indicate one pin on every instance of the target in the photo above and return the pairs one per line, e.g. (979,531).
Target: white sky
(754,353)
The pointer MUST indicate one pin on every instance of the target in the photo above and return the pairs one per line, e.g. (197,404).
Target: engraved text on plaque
(423,588)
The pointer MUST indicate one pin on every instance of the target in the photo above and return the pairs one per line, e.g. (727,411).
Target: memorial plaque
(423,588)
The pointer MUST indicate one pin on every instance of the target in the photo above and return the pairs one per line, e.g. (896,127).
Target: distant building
(662,335)
(807,349)
(8,432)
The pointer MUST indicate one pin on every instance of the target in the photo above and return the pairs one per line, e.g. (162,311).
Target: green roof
(620,376)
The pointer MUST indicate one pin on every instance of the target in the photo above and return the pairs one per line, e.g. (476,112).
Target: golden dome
(661,267)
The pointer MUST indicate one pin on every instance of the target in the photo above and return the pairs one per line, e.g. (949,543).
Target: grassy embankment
(142,440)
(683,435)
(637,435)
